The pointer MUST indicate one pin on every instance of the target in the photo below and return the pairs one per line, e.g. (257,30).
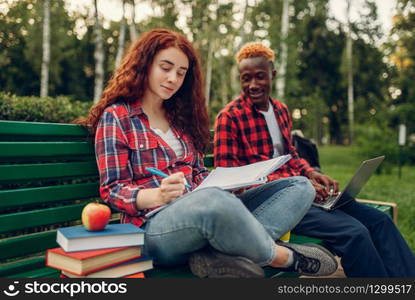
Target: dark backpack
(308,150)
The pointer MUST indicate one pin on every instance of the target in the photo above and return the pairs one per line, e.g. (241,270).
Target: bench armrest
(393,205)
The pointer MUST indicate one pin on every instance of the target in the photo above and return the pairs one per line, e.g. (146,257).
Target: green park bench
(48,173)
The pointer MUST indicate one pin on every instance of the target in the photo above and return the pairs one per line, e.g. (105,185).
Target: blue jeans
(365,238)
(246,226)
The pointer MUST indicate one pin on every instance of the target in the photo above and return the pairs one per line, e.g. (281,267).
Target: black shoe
(210,263)
(310,259)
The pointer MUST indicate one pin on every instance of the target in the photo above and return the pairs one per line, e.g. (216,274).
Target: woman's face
(167,73)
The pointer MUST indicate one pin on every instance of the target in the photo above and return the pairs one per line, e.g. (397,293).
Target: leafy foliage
(316,85)
(341,162)
(34,109)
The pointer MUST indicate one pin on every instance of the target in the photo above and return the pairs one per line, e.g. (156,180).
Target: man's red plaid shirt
(124,146)
(242,137)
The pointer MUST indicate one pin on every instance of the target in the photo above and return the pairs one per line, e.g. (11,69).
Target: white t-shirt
(274,130)
(171,140)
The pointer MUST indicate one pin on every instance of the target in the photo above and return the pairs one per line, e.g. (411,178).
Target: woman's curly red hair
(186,110)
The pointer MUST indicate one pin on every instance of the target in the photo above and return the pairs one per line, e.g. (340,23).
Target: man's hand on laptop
(321,192)
(324,185)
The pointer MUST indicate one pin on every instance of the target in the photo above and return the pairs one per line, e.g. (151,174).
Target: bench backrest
(47,175)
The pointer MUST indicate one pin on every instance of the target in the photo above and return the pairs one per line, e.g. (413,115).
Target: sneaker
(210,263)
(310,259)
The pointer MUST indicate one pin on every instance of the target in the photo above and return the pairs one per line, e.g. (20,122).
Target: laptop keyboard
(326,201)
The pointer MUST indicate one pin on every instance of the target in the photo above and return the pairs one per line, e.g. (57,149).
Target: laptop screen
(362,175)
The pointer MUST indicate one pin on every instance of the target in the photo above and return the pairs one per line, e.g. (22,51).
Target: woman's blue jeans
(246,225)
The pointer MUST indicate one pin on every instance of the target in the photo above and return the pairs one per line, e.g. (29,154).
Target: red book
(85,262)
(136,275)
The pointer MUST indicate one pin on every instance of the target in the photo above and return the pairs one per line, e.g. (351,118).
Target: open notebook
(238,177)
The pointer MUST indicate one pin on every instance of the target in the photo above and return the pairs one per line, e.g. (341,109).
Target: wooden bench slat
(174,272)
(11,173)
(46,159)
(49,194)
(390,208)
(27,244)
(301,239)
(28,268)
(208,161)
(32,243)
(44,272)
(9,150)
(33,218)
(13,128)
(21,266)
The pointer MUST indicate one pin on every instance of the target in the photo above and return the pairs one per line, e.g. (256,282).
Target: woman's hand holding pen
(172,187)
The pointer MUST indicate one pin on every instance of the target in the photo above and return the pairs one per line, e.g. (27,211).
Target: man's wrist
(310,174)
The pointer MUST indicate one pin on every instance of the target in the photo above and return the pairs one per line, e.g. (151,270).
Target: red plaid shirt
(242,137)
(124,146)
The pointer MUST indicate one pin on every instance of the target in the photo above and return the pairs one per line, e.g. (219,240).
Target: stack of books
(109,253)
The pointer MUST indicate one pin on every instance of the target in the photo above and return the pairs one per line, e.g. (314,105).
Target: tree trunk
(121,38)
(133,30)
(44,81)
(235,86)
(350,99)
(209,72)
(282,68)
(224,87)
(99,57)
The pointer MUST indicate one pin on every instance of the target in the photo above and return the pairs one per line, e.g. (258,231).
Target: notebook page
(234,177)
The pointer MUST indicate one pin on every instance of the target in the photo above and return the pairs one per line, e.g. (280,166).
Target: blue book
(77,238)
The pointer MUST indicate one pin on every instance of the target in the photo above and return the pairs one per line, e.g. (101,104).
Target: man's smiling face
(256,75)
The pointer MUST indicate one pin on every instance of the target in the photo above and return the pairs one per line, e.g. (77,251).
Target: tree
(121,37)
(209,63)
(316,79)
(280,82)
(234,84)
(133,30)
(349,58)
(402,59)
(46,50)
(99,57)
(21,36)
(371,75)
(319,64)
(18,74)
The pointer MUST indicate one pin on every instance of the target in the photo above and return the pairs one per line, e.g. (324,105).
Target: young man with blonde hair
(256,127)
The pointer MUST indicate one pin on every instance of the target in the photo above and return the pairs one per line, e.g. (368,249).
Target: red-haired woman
(153,114)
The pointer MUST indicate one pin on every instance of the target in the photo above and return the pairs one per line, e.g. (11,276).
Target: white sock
(290,259)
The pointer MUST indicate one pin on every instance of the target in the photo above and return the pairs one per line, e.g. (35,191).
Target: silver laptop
(354,186)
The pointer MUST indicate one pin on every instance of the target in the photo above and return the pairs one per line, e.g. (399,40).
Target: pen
(156,171)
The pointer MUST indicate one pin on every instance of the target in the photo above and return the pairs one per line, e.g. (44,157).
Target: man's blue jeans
(246,225)
(366,239)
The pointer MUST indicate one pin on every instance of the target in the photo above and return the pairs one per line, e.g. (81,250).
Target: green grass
(341,162)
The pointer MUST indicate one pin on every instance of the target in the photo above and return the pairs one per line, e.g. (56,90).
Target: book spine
(61,240)
(100,268)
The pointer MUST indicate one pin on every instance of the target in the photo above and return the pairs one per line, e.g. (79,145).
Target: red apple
(95,216)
